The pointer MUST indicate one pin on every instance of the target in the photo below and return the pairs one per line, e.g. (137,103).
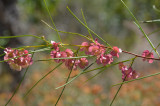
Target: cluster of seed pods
(127,72)
(17,59)
(98,50)
(68,53)
(95,49)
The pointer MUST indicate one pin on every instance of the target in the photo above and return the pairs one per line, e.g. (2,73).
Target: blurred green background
(110,20)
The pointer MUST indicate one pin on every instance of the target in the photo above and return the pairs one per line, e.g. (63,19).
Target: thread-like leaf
(18,85)
(52,20)
(86,24)
(137,79)
(151,21)
(64,31)
(40,80)
(87,27)
(104,68)
(137,23)
(67,58)
(75,77)
(9,37)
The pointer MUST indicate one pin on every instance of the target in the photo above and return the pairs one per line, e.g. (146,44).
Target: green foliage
(36,9)
(114,23)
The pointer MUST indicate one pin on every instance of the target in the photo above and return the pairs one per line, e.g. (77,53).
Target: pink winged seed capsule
(18,59)
(115,51)
(148,54)
(127,73)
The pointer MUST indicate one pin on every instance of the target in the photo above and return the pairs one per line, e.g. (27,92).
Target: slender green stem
(151,21)
(65,32)
(2,47)
(155,31)
(106,66)
(2,54)
(64,86)
(158,45)
(44,49)
(67,79)
(41,50)
(37,46)
(87,27)
(40,80)
(8,37)
(93,69)
(52,21)
(18,85)
(16,88)
(96,74)
(86,24)
(71,45)
(75,77)
(133,59)
(137,79)
(66,58)
(116,94)
(155,8)
(75,34)
(103,69)
(137,23)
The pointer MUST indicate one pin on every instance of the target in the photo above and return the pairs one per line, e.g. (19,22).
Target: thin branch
(18,85)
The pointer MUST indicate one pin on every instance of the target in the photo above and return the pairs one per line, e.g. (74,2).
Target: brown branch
(136,54)
(139,55)
(125,52)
